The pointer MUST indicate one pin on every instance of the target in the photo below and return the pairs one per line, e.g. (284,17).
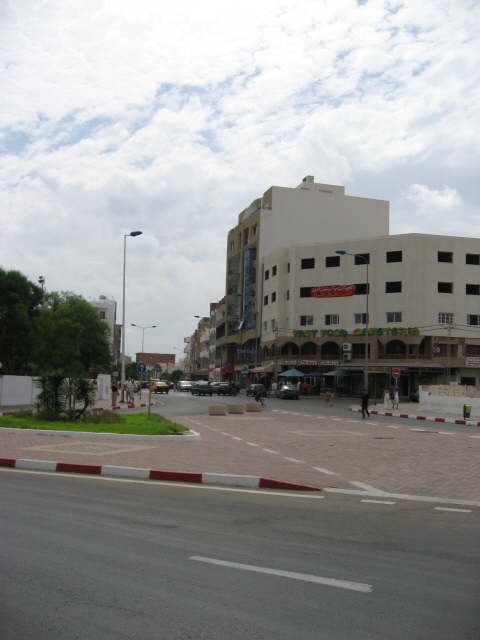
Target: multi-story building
(108,312)
(423,310)
(292,300)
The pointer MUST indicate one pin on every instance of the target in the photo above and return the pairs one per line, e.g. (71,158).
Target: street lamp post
(133,234)
(362,257)
(153,326)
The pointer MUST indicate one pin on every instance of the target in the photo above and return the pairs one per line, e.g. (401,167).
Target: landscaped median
(105,422)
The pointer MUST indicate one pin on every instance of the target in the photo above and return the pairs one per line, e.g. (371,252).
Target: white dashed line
(452,509)
(379,501)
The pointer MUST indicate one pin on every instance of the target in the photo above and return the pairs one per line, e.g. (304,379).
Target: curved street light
(362,257)
(133,234)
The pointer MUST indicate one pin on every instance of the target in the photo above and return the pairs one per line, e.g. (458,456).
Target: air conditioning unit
(347,356)
(347,346)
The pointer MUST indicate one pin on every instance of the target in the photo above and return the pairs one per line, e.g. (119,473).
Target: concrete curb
(415,416)
(251,482)
(179,437)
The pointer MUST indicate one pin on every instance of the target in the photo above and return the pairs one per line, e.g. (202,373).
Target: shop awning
(339,372)
(268,367)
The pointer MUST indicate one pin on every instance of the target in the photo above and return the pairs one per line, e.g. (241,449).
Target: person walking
(396,397)
(328,399)
(364,398)
(386,398)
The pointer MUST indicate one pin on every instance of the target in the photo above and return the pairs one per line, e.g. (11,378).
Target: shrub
(103,417)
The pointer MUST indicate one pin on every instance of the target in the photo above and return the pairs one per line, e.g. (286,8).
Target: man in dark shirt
(364,400)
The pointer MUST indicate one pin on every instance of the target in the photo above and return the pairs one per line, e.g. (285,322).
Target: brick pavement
(345,452)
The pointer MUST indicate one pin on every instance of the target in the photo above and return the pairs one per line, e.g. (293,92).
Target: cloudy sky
(170,118)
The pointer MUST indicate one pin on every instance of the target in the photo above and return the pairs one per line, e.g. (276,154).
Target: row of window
(360,318)
(390,256)
(390,287)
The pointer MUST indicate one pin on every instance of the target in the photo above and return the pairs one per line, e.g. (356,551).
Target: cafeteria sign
(333,291)
(341,333)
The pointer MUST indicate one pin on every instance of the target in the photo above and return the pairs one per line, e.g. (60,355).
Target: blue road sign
(141,367)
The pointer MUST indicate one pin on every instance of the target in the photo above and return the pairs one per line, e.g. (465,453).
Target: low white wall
(432,399)
(20,391)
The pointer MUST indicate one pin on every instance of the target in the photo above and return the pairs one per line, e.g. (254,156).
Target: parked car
(184,385)
(287,391)
(225,389)
(253,389)
(214,385)
(414,396)
(201,388)
(160,386)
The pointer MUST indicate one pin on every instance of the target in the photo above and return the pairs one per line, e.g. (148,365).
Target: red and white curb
(414,416)
(225,480)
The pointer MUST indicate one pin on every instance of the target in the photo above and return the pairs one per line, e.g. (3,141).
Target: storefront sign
(473,362)
(341,333)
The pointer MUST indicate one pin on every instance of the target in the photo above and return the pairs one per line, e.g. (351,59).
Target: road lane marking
(329,473)
(452,509)
(294,460)
(305,577)
(379,501)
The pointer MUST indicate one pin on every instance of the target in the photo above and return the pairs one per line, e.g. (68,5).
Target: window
(473,320)
(394,256)
(333,318)
(394,316)
(445,318)
(308,263)
(288,294)
(362,258)
(306,321)
(361,289)
(245,236)
(288,268)
(305,292)
(274,296)
(265,300)
(445,256)
(332,261)
(103,315)
(267,274)
(360,318)
(273,325)
(254,230)
(472,258)
(472,289)
(274,271)
(393,287)
(265,325)
(472,350)
(231,246)
(445,287)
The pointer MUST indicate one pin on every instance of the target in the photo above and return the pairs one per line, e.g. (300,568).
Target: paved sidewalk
(291,448)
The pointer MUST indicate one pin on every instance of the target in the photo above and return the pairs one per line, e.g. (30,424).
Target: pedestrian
(386,398)
(131,391)
(306,388)
(328,398)
(274,388)
(396,397)
(114,392)
(364,398)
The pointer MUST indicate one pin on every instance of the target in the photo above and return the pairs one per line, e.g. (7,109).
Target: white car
(184,385)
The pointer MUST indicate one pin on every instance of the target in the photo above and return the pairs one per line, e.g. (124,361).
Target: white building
(107,310)
(423,300)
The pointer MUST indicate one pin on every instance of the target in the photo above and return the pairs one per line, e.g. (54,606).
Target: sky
(171,118)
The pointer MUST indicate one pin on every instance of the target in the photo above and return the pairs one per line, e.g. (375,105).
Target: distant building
(164,360)
(107,310)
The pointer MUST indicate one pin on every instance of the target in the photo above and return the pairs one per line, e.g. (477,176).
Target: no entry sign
(396,373)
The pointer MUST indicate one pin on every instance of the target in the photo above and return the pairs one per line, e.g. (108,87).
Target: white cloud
(172,118)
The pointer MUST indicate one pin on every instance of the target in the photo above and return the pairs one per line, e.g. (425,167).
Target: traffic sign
(396,373)
(141,367)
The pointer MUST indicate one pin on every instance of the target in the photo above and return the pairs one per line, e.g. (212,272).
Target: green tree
(71,336)
(20,302)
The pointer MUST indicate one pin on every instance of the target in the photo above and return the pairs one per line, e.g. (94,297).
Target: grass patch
(98,422)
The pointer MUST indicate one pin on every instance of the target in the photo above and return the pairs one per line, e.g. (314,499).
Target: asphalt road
(84,557)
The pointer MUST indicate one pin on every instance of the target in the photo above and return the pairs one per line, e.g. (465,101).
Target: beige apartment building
(292,301)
